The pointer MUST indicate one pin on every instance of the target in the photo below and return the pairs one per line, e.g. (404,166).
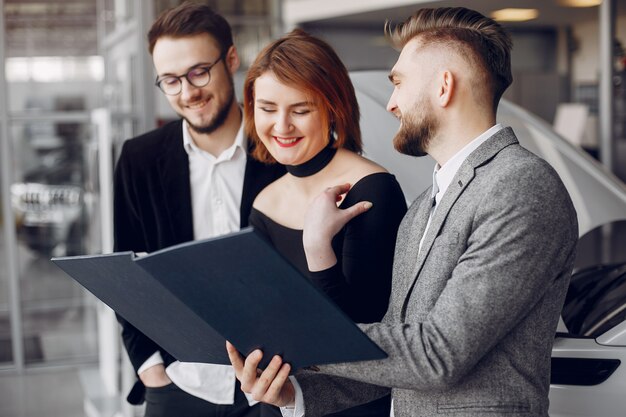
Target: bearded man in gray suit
(483,258)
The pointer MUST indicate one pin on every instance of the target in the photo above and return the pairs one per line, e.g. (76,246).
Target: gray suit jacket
(472,317)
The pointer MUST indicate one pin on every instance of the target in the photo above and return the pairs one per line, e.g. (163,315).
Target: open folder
(191,297)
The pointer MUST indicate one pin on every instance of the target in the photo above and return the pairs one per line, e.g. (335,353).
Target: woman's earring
(332,135)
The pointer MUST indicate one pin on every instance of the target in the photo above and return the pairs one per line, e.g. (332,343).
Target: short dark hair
(488,42)
(190,19)
(308,63)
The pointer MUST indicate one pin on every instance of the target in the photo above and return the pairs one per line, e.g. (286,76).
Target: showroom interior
(77,81)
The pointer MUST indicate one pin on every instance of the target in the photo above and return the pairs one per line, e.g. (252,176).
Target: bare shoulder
(265,201)
(354,166)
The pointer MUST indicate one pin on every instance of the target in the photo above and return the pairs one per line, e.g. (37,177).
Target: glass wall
(61,60)
(51,80)
(6,353)
(51,203)
(7,277)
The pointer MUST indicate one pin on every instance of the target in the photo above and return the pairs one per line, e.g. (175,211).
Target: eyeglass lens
(197,77)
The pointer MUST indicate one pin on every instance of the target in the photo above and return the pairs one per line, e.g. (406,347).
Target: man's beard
(220,117)
(415,135)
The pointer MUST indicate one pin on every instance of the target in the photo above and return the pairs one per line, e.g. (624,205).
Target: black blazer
(152,210)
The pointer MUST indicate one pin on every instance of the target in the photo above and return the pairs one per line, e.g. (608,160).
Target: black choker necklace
(313,165)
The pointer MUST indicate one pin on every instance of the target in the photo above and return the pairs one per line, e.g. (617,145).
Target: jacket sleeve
(326,394)
(128,236)
(518,255)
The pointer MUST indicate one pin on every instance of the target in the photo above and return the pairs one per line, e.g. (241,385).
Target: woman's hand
(322,221)
(272,386)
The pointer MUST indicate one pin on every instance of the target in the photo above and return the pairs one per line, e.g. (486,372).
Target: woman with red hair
(300,110)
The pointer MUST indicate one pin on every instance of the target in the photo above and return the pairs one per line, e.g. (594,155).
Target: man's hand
(322,221)
(271,386)
(155,377)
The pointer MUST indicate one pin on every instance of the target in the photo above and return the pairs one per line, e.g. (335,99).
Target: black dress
(360,282)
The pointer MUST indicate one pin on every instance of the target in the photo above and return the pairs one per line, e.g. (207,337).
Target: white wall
(586,58)
(298,11)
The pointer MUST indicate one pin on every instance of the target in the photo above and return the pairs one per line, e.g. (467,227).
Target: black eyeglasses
(198,77)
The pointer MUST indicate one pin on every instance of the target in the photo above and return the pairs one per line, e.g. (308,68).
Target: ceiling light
(514,15)
(580,3)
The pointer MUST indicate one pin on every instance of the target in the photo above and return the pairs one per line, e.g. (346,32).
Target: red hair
(303,61)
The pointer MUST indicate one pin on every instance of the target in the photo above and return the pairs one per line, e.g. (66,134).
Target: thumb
(358,208)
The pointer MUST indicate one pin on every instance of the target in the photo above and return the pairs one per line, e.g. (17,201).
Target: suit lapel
(407,252)
(174,178)
(462,179)
(252,185)
(456,188)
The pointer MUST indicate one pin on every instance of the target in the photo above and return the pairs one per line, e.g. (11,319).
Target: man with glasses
(190,179)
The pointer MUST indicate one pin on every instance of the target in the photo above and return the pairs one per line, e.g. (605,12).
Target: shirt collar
(190,146)
(443,175)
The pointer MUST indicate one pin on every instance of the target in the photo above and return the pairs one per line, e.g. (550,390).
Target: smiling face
(411,100)
(288,122)
(205,108)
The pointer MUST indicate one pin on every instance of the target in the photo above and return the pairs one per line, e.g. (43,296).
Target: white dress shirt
(442,177)
(216,188)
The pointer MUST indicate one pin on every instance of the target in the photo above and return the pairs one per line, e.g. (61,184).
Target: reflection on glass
(53,69)
(50,198)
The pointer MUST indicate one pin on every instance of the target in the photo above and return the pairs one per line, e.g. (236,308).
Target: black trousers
(171,401)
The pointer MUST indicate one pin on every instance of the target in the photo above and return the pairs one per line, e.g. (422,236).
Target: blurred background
(77,81)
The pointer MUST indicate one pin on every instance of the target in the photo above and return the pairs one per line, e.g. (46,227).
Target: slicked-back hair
(305,62)
(469,33)
(189,19)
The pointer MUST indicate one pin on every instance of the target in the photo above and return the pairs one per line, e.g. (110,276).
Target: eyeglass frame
(207,68)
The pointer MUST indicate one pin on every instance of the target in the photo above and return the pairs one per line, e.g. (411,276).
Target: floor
(45,393)
(59,326)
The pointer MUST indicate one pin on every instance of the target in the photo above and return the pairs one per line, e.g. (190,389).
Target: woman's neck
(313,165)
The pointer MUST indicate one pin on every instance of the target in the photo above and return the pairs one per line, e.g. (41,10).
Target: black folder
(190,297)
